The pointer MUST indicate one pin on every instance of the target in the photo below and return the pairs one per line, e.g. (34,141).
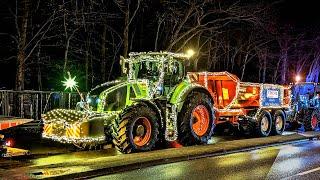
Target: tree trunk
(284,60)
(244,65)
(87,69)
(103,53)
(39,68)
(66,52)
(126,32)
(21,46)
(264,69)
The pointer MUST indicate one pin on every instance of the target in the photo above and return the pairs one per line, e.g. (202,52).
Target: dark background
(292,21)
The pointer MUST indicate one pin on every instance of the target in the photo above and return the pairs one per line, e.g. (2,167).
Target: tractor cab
(162,71)
(306,94)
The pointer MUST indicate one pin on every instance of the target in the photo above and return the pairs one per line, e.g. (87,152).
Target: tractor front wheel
(136,130)
(196,120)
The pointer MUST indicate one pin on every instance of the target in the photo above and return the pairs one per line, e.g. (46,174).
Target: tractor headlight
(89,100)
(98,100)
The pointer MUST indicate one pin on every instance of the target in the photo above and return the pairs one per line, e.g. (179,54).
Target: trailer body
(240,103)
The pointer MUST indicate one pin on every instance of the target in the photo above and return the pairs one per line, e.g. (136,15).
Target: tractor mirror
(123,65)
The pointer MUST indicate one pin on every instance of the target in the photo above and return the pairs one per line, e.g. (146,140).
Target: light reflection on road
(267,163)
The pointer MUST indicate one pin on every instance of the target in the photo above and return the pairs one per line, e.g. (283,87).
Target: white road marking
(303,173)
(307,172)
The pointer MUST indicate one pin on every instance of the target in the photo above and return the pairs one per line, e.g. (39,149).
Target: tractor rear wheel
(279,123)
(311,122)
(263,124)
(136,130)
(196,120)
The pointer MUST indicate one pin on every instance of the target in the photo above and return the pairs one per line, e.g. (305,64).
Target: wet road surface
(295,161)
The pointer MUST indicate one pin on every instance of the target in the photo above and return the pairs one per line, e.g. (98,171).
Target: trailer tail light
(9,143)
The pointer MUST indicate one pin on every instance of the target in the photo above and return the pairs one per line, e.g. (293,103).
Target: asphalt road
(295,161)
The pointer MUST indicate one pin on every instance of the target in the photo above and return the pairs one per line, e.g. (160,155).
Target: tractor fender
(153,106)
(182,91)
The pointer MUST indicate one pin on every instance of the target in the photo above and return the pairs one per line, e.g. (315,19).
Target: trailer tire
(263,124)
(136,129)
(278,123)
(311,122)
(196,119)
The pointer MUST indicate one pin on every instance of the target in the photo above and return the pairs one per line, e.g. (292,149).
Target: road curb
(114,164)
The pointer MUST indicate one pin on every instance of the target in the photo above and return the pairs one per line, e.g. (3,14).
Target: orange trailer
(253,107)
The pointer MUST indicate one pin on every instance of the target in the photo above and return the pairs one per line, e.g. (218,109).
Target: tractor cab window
(174,73)
(116,100)
(147,70)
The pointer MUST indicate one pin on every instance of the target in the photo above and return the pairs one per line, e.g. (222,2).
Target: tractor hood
(117,97)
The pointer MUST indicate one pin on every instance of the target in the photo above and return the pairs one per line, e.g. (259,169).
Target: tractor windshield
(146,69)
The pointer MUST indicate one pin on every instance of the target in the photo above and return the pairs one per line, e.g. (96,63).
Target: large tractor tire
(136,130)
(262,127)
(278,123)
(311,122)
(196,120)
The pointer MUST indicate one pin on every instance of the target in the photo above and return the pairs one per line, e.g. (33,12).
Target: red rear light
(9,143)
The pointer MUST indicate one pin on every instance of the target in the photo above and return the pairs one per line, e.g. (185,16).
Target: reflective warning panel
(271,95)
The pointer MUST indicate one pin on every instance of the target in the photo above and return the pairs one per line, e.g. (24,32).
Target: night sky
(302,16)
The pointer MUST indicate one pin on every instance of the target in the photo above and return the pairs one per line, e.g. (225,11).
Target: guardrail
(31,104)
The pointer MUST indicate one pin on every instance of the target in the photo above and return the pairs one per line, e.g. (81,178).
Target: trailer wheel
(136,130)
(279,123)
(196,120)
(263,124)
(311,122)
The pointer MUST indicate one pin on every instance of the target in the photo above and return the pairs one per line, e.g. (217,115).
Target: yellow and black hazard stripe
(193,77)
(47,129)
(74,131)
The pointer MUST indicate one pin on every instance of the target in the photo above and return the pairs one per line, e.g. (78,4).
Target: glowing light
(9,143)
(98,101)
(298,78)
(89,100)
(70,83)
(190,53)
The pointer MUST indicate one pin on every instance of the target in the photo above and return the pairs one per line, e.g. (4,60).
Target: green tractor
(153,102)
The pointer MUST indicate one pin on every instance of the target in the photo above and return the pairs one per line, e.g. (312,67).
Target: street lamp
(298,78)
(190,53)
